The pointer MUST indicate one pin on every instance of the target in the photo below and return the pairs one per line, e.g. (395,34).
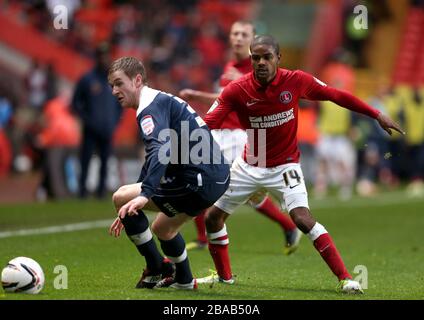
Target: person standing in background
(100,112)
(335,150)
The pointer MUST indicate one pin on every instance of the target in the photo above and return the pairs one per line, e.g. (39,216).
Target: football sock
(218,248)
(328,251)
(175,250)
(137,229)
(269,209)
(199,220)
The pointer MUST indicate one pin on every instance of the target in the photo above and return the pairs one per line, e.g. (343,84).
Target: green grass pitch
(384,234)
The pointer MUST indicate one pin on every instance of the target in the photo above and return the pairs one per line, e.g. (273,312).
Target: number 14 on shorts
(291,178)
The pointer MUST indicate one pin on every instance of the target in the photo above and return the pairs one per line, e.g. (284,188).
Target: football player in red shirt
(232,138)
(266,102)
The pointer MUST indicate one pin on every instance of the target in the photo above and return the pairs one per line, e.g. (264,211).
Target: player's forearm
(155,170)
(150,183)
(204,97)
(349,101)
(213,122)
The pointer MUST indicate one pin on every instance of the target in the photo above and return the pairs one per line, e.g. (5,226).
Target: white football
(22,275)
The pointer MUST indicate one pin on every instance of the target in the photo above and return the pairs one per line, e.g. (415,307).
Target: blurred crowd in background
(184,45)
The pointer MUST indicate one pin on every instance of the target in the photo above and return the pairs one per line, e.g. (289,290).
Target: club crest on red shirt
(286,97)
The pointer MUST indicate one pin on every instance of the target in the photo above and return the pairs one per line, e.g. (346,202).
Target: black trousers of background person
(54,179)
(103,145)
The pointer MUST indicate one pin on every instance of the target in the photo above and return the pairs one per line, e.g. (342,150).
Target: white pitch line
(365,202)
(386,200)
(58,229)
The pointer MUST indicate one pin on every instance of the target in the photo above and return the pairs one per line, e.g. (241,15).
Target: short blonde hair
(130,66)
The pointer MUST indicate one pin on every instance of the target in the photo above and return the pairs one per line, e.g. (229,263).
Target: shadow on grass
(291,289)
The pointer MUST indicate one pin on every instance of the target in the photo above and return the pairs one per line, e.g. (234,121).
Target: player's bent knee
(122,196)
(156,228)
(118,198)
(162,232)
(215,219)
(302,218)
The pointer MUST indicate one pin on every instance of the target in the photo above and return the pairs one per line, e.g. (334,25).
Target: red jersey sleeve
(221,108)
(314,89)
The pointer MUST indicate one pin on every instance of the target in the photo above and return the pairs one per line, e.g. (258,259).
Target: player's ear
(138,80)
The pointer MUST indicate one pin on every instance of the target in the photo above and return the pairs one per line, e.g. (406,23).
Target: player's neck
(241,57)
(137,97)
(265,82)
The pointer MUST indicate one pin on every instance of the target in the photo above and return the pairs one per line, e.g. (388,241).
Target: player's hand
(131,207)
(387,123)
(187,94)
(232,74)
(116,228)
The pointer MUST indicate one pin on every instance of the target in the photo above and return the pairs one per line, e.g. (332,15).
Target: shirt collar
(243,63)
(273,83)
(147,95)
(277,78)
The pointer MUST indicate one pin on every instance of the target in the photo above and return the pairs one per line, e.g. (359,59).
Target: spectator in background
(58,138)
(6,111)
(336,153)
(36,14)
(36,82)
(372,145)
(307,137)
(100,112)
(211,45)
(369,171)
(418,3)
(52,82)
(414,121)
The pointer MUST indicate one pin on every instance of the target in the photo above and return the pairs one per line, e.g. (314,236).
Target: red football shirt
(275,109)
(244,66)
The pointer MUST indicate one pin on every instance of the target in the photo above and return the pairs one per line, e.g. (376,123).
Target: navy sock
(175,250)
(137,229)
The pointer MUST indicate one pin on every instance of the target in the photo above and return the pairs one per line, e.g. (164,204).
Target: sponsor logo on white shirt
(147,125)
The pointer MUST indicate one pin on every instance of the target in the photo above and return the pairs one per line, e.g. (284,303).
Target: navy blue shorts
(183,197)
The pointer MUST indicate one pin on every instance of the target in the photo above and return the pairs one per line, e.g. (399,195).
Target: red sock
(218,248)
(328,251)
(269,209)
(199,220)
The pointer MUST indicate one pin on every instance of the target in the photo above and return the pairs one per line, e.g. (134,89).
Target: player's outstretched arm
(387,124)
(199,96)
(225,104)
